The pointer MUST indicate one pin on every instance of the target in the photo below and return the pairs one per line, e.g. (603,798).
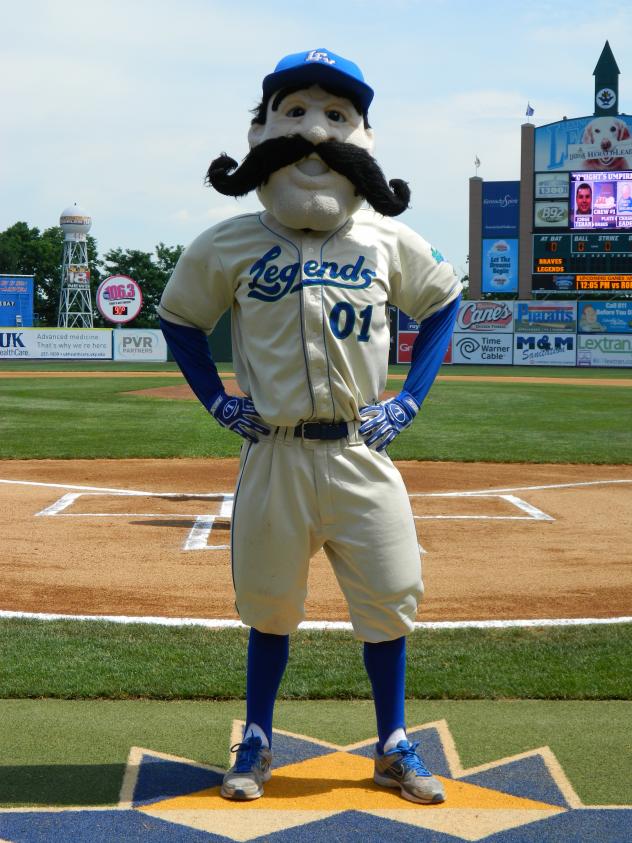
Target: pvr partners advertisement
(142,345)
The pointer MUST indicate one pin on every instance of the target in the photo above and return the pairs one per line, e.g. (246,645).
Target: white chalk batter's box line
(200,533)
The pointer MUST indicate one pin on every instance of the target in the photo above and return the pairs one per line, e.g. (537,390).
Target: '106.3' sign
(119,298)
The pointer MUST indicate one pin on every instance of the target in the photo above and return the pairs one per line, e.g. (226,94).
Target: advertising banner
(405,340)
(485,316)
(544,349)
(611,350)
(16,300)
(479,348)
(406,323)
(599,317)
(551,186)
(119,299)
(500,266)
(550,215)
(139,345)
(577,144)
(56,343)
(545,317)
(501,203)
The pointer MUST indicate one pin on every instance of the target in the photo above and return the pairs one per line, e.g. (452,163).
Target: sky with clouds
(120,105)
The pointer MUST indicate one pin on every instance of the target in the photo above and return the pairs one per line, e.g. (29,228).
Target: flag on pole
(477,161)
(530,110)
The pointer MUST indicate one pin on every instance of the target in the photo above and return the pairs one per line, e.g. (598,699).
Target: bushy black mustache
(354,163)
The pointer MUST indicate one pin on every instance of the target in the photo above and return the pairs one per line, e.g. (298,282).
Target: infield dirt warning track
(151,537)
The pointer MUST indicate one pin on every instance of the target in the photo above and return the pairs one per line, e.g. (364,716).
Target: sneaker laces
(247,754)
(411,759)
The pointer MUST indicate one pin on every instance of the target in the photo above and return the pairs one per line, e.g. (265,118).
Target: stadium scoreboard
(588,244)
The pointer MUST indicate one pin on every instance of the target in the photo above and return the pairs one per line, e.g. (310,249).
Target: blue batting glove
(384,421)
(238,415)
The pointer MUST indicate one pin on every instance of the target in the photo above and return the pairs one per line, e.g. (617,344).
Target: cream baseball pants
(294,496)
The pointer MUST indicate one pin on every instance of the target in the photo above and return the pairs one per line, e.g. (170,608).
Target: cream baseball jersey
(310,327)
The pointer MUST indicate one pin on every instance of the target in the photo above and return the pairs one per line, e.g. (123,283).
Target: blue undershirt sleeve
(189,347)
(429,350)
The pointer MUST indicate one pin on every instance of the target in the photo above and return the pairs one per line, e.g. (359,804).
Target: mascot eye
(335,116)
(297,111)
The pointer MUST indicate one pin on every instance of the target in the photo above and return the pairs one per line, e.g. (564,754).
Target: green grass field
(461,420)
(70,418)
(91,660)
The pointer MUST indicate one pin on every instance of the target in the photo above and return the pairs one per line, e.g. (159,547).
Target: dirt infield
(143,537)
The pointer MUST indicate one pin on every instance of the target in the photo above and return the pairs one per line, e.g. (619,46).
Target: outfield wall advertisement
(56,344)
(545,316)
(492,348)
(140,345)
(485,316)
(544,349)
(605,317)
(605,350)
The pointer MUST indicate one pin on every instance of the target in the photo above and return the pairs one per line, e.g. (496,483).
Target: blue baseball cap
(316,66)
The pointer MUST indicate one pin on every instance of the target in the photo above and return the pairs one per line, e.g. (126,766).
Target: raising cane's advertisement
(485,316)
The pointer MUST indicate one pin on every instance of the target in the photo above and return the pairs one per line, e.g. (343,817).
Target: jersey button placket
(314,332)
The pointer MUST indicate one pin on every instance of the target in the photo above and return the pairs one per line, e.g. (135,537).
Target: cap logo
(317,55)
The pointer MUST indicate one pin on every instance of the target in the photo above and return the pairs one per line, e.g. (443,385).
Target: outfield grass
(71,418)
(395,369)
(75,660)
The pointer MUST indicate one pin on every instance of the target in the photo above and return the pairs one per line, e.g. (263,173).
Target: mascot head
(310,147)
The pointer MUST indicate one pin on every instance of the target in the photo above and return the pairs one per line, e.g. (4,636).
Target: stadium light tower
(75,300)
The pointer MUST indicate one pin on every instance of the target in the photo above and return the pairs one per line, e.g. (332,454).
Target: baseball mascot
(307,282)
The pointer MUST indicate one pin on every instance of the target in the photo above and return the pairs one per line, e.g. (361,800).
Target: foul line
(221,623)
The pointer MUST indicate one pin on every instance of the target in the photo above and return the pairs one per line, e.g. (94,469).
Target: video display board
(570,145)
(601,200)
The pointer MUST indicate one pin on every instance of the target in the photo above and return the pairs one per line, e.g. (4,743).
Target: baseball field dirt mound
(151,537)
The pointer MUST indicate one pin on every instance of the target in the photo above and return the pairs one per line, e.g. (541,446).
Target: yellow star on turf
(321,787)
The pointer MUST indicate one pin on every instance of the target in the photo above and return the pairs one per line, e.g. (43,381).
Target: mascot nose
(605,144)
(315,133)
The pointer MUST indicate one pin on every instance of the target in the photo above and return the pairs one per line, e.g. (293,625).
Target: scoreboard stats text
(588,246)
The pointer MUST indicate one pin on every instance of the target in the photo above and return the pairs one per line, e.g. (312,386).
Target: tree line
(29,251)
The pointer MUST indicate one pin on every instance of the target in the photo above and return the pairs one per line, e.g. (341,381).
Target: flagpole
(477,164)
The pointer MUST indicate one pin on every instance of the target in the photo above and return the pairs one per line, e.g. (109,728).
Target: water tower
(75,301)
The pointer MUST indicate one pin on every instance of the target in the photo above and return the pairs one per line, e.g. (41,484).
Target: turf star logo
(323,791)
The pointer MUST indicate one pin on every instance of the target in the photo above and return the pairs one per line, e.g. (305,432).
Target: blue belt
(321,430)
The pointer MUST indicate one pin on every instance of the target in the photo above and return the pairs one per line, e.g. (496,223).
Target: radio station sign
(544,349)
(550,215)
(609,350)
(551,186)
(119,299)
(490,348)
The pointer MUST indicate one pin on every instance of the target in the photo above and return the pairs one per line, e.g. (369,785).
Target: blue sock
(267,658)
(385,664)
